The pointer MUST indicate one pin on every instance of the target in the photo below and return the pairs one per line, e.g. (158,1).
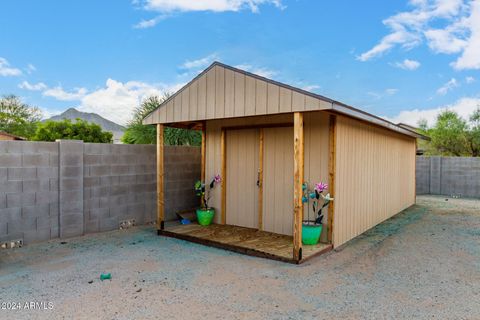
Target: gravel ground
(422,264)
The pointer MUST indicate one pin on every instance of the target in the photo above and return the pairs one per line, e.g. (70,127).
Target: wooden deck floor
(244,240)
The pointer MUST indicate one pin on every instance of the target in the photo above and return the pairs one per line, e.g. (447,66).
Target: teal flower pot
(311,233)
(205,216)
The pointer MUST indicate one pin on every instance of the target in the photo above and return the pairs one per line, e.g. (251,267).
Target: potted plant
(312,229)
(205,213)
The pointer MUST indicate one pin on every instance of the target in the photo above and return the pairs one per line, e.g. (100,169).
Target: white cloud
(260,71)
(60,94)
(464,107)
(444,40)
(117,100)
(311,87)
(6,70)
(144,24)
(469,80)
(450,85)
(380,95)
(391,91)
(199,63)
(407,64)
(374,95)
(32,87)
(207,5)
(31,68)
(169,7)
(470,58)
(47,114)
(447,26)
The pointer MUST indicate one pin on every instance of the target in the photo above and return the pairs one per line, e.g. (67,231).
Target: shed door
(278,180)
(242,148)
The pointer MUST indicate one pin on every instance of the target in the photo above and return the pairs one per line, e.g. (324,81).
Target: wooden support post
(331,173)
(223,152)
(160,177)
(260,181)
(298,166)
(204,152)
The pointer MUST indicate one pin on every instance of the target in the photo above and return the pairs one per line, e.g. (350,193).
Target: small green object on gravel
(106,276)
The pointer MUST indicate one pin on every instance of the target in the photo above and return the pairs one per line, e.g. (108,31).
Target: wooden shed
(4,136)
(266,138)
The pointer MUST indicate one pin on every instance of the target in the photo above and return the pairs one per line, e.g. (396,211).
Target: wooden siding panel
(298,101)
(224,93)
(185,104)
(239,103)
(242,163)
(278,180)
(156,117)
(311,103)
(316,128)
(229,93)
(220,92)
(163,114)
(211,94)
(285,100)
(316,160)
(273,98)
(177,108)
(170,111)
(193,110)
(375,177)
(202,97)
(250,96)
(260,97)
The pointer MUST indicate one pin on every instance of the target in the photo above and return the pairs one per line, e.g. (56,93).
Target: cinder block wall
(182,169)
(70,188)
(119,184)
(448,176)
(28,190)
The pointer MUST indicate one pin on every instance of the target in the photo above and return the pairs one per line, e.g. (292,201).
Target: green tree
(17,117)
(473,136)
(137,133)
(66,129)
(449,135)
(425,145)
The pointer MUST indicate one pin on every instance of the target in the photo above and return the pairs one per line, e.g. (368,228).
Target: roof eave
(365,116)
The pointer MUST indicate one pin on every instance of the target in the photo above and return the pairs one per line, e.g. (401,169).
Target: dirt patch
(424,263)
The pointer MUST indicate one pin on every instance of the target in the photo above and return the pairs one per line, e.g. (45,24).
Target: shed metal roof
(222,91)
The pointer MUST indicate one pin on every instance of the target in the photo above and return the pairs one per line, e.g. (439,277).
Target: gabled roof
(222,91)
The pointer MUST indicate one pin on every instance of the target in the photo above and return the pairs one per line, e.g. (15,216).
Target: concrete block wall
(28,190)
(449,176)
(120,184)
(70,188)
(182,170)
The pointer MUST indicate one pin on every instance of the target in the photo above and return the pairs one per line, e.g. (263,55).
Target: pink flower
(320,187)
(217,178)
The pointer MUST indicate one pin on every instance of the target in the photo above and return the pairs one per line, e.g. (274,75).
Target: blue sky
(403,60)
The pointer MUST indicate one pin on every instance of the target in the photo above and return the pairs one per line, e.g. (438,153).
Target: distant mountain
(106,125)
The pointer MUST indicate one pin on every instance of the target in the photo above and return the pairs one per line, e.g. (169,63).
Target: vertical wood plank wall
(316,130)
(278,181)
(242,164)
(224,93)
(375,177)
(213,149)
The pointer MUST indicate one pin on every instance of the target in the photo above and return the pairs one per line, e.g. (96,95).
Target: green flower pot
(205,216)
(311,233)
